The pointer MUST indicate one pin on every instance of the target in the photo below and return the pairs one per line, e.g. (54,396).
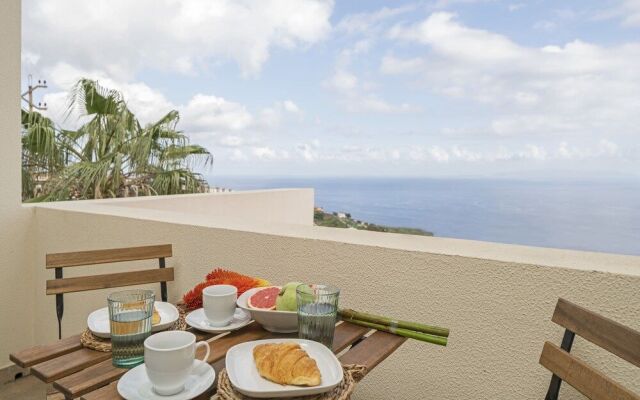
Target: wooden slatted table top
(78,372)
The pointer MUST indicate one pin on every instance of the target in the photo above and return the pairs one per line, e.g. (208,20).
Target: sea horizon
(596,214)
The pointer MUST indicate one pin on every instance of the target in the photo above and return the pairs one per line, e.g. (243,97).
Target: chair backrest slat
(585,379)
(93,282)
(604,332)
(79,258)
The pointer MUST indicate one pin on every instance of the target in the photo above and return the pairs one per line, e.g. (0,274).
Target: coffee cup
(169,359)
(219,303)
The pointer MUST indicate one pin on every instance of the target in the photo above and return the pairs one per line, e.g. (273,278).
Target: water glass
(130,315)
(317,312)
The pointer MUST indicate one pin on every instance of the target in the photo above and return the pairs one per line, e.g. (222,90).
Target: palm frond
(111,152)
(177,181)
(186,155)
(40,142)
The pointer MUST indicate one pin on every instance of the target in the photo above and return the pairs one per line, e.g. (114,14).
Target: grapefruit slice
(264,299)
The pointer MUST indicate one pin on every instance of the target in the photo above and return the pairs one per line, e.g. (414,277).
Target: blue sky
(315,87)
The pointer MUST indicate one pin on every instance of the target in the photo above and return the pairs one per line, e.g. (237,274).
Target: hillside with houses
(344,220)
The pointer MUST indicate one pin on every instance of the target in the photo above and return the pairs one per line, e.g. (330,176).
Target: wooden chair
(601,331)
(59,286)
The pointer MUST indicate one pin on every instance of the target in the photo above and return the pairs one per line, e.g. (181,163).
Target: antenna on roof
(28,95)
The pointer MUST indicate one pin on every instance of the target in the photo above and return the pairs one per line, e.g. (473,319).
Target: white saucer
(135,384)
(98,321)
(197,319)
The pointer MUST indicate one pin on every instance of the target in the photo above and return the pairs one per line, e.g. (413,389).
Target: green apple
(286,300)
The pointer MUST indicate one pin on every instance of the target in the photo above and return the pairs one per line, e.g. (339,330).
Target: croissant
(286,364)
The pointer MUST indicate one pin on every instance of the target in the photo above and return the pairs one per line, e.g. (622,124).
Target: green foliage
(110,155)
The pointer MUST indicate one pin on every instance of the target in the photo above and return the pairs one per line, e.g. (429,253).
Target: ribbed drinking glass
(317,312)
(130,315)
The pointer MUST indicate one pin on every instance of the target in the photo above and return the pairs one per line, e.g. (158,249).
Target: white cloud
(212,113)
(29,59)
(312,152)
(57,109)
(392,65)
(237,155)
(537,152)
(458,155)
(416,153)
(232,141)
(447,37)
(364,22)
(565,102)
(373,103)
(449,3)
(309,151)
(627,11)
(207,119)
(530,152)
(577,88)
(607,147)
(438,154)
(603,149)
(632,13)
(290,106)
(342,81)
(357,96)
(267,153)
(272,116)
(122,37)
(147,103)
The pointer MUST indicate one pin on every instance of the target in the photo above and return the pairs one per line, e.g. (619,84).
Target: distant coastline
(344,220)
(596,215)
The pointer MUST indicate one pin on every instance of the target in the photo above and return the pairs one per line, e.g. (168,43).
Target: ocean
(596,216)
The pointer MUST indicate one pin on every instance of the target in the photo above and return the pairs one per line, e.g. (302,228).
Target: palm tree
(110,155)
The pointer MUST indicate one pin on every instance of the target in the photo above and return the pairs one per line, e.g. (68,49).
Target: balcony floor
(27,388)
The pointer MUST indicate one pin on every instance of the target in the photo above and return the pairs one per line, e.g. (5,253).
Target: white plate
(271,320)
(135,384)
(98,321)
(197,319)
(244,375)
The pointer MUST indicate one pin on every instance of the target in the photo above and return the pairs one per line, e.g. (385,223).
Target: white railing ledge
(273,225)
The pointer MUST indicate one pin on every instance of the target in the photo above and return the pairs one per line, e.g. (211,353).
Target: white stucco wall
(282,206)
(16,274)
(497,299)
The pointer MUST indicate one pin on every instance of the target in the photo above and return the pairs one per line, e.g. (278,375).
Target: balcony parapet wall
(497,299)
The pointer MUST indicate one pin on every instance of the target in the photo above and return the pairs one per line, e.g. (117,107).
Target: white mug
(169,358)
(219,302)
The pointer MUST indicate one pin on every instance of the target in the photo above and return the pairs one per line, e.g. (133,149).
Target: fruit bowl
(271,320)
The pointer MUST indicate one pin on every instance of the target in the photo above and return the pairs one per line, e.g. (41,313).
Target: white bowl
(271,320)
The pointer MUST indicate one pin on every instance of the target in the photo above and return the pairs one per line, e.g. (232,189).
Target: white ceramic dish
(135,384)
(98,321)
(271,320)
(244,375)
(197,319)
